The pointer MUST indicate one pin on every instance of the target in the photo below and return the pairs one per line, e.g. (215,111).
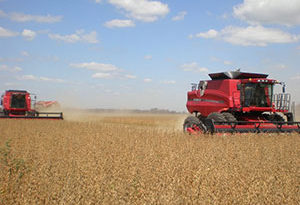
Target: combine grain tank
(239,102)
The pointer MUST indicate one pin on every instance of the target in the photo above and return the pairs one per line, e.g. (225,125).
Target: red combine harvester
(239,102)
(19,104)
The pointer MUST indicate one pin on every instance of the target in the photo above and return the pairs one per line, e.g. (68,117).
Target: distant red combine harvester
(239,102)
(19,104)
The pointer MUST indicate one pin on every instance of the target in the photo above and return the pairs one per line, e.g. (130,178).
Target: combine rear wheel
(193,125)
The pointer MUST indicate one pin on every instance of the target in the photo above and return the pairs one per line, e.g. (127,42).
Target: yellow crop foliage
(143,159)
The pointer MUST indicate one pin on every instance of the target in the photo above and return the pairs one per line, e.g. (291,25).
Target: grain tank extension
(239,102)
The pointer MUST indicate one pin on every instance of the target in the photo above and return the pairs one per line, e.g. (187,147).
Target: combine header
(239,102)
(19,104)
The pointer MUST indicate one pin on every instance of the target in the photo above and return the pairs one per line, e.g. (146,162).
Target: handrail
(282,101)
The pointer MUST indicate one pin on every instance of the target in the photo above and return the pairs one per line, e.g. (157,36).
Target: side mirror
(238,86)
(283,88)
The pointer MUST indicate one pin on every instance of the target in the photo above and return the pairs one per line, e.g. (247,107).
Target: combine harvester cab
(239,102)
(19,104)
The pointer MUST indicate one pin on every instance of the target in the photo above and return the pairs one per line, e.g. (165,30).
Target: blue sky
(141,53)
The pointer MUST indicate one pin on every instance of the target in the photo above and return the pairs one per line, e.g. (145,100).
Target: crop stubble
(144,159)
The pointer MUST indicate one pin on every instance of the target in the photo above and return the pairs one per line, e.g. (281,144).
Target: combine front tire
(229,117)
(274,117)
(193,125)
(277,118)
(217,117)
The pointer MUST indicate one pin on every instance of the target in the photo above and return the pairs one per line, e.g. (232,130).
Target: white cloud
(2,14)
(95,66)
(10,68)
(179,16)
(10,84)
(54,80)
(20,17)
(194,67)
(3,67)
(17,68)
(191,36)
(90,37)
(28,77)
(41,79)
(215,59)
(143,10)
(281,67)
(258,12)
(98,1)
(296,77)
(169,82)
(269,12)
(25,53)
(11,60)
(102,70)
(72,38)
(130,76)
(28,34)
(78,36)
(112,75)
(148,57)
(252,36)
(226,62)
(7,33)
(209,34)
(111,92)
(256,36)
(102,75)
(225,16)
(117,23)
(147,80)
